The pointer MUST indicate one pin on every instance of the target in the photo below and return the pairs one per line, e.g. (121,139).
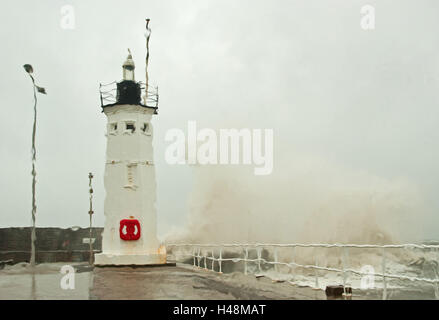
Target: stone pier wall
(52,245)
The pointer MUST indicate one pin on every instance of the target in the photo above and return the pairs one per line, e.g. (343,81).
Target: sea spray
(304,200)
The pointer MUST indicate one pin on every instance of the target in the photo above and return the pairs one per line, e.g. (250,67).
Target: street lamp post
(28,68)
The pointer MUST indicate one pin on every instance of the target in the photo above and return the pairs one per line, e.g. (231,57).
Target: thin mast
(90,212)
(148,35)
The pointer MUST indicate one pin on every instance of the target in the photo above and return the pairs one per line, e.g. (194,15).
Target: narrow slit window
(113,127)
(130,127)
(145,128)
(131,176)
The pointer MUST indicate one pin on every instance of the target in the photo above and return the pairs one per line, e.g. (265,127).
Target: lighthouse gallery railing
(108,94)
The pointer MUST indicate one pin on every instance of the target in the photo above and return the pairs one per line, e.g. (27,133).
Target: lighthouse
(130,230)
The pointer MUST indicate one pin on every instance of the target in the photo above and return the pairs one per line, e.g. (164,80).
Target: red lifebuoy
(129,229)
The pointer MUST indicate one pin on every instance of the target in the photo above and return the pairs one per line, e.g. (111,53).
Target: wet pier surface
(21,282)
(168,282)
(185,283)
(180,282)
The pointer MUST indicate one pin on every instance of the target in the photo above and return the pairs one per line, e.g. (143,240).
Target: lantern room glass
(128,73)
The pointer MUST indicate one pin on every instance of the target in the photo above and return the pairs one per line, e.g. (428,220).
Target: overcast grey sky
(366,100)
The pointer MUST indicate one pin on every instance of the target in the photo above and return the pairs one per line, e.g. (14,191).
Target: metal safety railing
(201,253)
(108,94)
(152,97)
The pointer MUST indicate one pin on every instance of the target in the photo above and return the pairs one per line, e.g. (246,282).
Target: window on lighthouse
(131,176)
(130,127)
(113,128)
(128,74)
(145,128)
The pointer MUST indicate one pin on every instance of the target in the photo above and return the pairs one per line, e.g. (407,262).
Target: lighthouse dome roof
(129,62)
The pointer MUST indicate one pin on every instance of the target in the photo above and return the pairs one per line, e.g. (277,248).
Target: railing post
(199,257)
(205,260)
(436,271)
(157,101)
(344,258)
(213,260)
(100,93)
(245,260)
(292,261)
(436,288)
(276,269)
(384,274)
(259,259)
(316,274)
(194,249)
(220,261)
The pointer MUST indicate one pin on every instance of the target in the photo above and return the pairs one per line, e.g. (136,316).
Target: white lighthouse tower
(129,236)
